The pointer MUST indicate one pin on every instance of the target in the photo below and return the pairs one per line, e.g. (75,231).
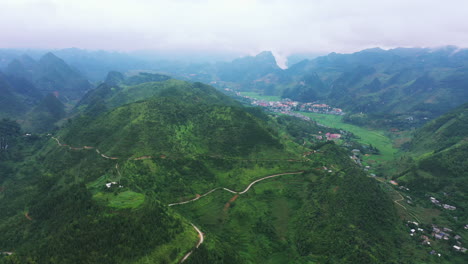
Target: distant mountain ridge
(18,96)
(404,82)
(50,75)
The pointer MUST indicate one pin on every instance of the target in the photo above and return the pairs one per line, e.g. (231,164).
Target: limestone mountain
(50,75)
(249,68)
(415,82)
(54,75)
(18,96)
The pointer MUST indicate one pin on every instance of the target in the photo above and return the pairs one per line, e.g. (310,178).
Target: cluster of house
(109,184)
(320,108)
(416,229)
(445,234)
(331,136)
(445,206)
(355,158)
(440,233)
(328,136)
(403,188)
(287,105)
(433,252)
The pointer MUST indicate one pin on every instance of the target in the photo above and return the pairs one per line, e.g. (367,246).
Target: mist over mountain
(233,132)
(129,170)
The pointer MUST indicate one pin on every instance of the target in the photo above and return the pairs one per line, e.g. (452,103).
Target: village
(445,206)
(289,107)
(436,233)
(432,232)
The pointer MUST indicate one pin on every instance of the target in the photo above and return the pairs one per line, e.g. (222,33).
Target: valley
(146,168)
(334,119)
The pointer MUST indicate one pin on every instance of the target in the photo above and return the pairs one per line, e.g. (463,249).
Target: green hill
(115,187)
(447,131)
(439,150)
(174,122)
(113,95)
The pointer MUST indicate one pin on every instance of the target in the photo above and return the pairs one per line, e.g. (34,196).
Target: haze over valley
(233,132)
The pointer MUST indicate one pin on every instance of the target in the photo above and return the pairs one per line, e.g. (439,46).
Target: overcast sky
(246,26)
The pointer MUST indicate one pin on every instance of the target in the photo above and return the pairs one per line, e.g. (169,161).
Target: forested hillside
(105,181)
(438,154)
(150,169)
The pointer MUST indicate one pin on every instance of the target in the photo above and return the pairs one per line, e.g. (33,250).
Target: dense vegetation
(438,158)
(318,216)
(186,139)
(97,190)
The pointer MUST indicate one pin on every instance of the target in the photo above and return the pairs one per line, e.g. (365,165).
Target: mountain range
(147,168)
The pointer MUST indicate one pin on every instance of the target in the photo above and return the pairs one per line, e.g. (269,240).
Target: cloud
(247,26)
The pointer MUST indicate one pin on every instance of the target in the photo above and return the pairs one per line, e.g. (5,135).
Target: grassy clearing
(366,136)
(123,200)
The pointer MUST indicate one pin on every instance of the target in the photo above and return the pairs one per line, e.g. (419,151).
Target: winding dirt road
(231,191)
(200,234)
(200,241)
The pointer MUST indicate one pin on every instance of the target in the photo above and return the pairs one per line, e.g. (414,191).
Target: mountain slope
(50,75)
(440,151)
(54,75)
(412,82)
(18,96)
(164,126)
(247,69)
(111,187)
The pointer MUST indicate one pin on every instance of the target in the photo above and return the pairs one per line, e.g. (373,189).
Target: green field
(261,97)
(366,136)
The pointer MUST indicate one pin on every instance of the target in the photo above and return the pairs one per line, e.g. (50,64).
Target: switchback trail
(397,201)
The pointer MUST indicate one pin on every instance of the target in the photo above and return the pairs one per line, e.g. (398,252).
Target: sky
(241,26)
